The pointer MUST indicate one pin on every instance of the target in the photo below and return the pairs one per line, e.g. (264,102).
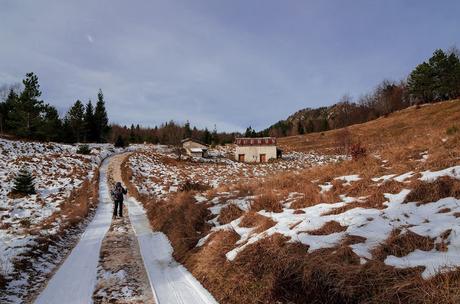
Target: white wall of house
(252,154)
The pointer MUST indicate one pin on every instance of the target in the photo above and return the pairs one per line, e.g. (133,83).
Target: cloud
(233,65)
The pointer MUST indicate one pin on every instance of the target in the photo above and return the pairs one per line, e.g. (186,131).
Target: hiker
(117,196)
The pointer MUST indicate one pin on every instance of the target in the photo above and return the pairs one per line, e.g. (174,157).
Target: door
(241,157)
(263,158)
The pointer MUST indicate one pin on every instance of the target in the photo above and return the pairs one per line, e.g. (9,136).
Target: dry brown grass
(401,244)
(229,213)
(253,219)
(267,201)
(275,270)
(395,129)
(343,209)
(328,228)
(181,219)
(425,192)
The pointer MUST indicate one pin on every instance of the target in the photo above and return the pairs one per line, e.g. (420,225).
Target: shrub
(452,130)
(191,186)
(357,151)
(120,142)
(24,183)
(83,149)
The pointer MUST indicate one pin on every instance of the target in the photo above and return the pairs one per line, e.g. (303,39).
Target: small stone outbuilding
(194,147)
(256,150)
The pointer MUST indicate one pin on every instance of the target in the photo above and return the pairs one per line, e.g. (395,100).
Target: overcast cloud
(228,63)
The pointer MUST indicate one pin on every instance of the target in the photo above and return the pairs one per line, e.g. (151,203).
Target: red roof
(258,141)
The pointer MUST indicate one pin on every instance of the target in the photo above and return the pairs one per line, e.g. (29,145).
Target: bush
(452,130)
(357,151)
(191,186)
(24,183)
(120,142)
(83,149)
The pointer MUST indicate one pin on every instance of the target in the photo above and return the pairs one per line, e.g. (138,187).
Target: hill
(379,228)
(396,129)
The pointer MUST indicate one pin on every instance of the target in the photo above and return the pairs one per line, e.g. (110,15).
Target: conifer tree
(100,119)
(75,117)
(51,127)
(132,134)
(24,182)
(187,130)
(89,122)
(26,115)
(120,142)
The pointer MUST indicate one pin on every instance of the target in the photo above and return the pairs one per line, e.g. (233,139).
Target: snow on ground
(170,281)
(58,170)
(437,220)
(75,280)
(158,172)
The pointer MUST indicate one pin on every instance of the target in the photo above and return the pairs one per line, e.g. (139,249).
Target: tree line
(434,80)
(169,133)
(24,115)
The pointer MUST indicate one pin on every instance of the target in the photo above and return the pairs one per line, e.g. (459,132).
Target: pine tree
(132,134)
(100,119)
(5,109)
(89,123)
(24,183)
(187,130)
(120,143)
(51,127)
(437,79)
(26,115)
(206,136)
(214,136)
(75,117)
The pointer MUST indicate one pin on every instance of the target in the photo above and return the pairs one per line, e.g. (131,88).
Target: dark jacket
(117,193)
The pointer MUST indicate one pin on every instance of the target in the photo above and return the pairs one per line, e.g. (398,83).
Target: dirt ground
(121,274)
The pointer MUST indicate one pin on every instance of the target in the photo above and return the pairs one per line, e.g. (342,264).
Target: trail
(170,281)
(75,279)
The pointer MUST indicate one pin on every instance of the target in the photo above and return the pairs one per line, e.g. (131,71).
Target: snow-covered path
(171,283)
(75,279)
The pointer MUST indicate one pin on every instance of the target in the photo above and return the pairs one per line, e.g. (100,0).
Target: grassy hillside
(382,228)
(430,120)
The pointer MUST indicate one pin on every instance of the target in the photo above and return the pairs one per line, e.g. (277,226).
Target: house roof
(194,140)
(257,141)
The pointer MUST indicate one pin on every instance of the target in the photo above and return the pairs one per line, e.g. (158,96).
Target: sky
(229,64)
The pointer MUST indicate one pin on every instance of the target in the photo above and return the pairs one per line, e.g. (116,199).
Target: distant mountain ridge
(320,119)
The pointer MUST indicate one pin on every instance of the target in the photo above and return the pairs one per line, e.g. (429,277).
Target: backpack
(117,194)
